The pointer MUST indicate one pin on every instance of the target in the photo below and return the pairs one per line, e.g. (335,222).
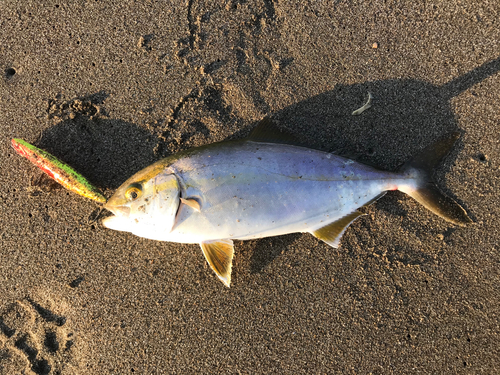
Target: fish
(58,170)
(265,185)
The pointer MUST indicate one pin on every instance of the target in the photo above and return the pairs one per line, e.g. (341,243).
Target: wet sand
(111,87)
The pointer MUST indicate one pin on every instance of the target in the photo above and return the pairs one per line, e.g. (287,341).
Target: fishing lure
(58,170)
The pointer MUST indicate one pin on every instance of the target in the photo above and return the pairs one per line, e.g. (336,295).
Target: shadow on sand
(405,115)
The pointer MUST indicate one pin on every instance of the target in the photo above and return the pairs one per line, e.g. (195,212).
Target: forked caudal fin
(426,192)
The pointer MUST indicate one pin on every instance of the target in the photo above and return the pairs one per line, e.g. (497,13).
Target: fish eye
(133,192)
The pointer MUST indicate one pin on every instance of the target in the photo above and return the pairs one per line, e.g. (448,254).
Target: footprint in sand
(34,339)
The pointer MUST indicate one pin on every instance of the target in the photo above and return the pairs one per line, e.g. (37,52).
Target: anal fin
(332,233)
(219,255)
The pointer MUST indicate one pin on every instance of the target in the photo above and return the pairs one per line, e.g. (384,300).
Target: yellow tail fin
(427,193)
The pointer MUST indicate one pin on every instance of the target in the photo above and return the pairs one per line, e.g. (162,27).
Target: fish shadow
(265,250)
(105,151)
(406,116)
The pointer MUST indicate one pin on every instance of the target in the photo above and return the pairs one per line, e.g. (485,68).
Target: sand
(110,87)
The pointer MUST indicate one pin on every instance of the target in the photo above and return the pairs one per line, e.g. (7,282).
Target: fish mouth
(120,218)
(116,223)
(122,211)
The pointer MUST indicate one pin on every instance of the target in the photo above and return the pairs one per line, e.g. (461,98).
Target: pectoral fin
(219,255)
(332,233)
(193,203)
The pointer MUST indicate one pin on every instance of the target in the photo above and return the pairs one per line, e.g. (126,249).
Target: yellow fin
(219,255)
(427,193)
(331,233)
(193,203)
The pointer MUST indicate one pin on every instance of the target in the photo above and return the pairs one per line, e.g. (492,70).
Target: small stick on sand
(367,105)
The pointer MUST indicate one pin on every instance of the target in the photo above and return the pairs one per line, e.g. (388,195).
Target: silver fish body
(252,189)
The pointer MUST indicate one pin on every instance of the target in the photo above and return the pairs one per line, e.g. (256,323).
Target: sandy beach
(111,86)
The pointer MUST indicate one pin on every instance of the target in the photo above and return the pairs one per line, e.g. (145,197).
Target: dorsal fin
(266,131)
(332,233)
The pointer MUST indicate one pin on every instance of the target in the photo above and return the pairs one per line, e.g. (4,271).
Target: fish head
(145,204)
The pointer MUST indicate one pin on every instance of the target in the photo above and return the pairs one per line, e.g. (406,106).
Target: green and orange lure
(58,170)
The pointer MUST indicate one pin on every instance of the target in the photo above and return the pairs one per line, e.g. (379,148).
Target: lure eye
(133,192)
